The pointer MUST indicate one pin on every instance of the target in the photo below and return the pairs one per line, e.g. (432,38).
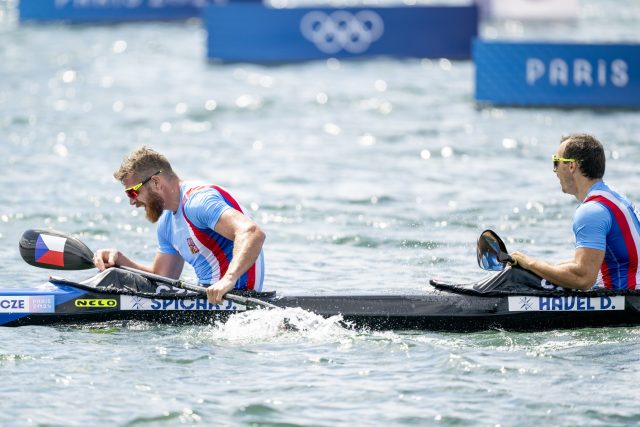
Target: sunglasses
(557,160)
(134,191)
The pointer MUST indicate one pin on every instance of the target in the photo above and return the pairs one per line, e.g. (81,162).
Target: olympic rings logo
(342,30)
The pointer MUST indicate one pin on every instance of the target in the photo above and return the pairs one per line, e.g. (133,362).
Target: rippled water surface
(367,176)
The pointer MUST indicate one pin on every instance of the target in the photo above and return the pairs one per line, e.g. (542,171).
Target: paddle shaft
(197,288)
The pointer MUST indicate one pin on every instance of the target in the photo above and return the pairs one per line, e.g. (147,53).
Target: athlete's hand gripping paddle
(492,252)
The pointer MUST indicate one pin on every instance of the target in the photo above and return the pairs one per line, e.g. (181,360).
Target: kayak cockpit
(518,281)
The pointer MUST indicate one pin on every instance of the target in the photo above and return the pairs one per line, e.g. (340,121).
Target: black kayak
(512,299)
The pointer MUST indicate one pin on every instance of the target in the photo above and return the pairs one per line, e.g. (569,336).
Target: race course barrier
(557,74)
(254,33)
(78,11)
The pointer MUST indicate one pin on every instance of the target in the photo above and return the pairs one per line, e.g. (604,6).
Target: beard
(154,206)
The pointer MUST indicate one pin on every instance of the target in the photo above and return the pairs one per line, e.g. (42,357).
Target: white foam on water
(289,324)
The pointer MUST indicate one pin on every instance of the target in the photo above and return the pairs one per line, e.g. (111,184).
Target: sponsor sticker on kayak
(128,302)
(566,303)
(96,302)
(27,304)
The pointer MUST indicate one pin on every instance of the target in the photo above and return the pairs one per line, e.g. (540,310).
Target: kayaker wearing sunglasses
(606,224)
(201,224)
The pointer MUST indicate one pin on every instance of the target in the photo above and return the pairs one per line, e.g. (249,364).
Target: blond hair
(143,162)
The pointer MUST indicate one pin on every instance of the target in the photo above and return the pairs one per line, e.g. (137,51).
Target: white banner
(566,303)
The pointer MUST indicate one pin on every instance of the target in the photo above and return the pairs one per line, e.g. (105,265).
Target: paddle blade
(491,251)
(54,250)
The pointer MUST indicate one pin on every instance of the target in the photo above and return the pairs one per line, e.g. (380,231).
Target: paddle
(492,252)
(200,289)
(58,251)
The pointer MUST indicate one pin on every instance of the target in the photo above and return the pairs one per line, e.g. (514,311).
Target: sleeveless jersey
(609,222)
(190,233)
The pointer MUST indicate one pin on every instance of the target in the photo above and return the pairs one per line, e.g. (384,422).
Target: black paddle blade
(54,250)
(492,252)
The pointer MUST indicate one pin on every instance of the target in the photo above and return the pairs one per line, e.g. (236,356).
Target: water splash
(288,324)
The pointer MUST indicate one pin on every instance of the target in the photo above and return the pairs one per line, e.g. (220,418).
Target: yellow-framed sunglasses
(557,160)
(134,191)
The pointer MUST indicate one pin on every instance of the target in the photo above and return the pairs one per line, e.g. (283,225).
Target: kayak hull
(445,311)
(440,310)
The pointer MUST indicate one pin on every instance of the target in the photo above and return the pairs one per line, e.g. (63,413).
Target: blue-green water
(367,176)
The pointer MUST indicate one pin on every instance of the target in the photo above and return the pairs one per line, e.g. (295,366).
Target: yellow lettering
(95,303)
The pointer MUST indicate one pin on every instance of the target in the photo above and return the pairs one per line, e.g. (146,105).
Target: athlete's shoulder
(196,194)
(192,189)
(591,209)
(603,190)
(203,205)
(591,219)
(618,194)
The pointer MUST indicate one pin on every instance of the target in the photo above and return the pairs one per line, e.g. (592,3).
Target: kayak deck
(120,296)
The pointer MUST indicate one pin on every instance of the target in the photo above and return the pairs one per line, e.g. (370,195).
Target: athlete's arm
(581,273)
(247,238)
(168,265)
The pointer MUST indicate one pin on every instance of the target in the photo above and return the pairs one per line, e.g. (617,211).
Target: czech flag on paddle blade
(50,250)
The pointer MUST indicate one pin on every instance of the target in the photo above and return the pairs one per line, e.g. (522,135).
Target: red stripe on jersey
(210,243)
(251,273)
(626,234)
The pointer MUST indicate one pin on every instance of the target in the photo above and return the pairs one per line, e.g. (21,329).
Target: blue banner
(557,74)
(255,33)
(108,10)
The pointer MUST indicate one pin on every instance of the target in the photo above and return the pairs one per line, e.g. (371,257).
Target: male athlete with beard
(200,224)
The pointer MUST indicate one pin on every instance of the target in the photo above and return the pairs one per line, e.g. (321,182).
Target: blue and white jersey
(190,233)
(609,222)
